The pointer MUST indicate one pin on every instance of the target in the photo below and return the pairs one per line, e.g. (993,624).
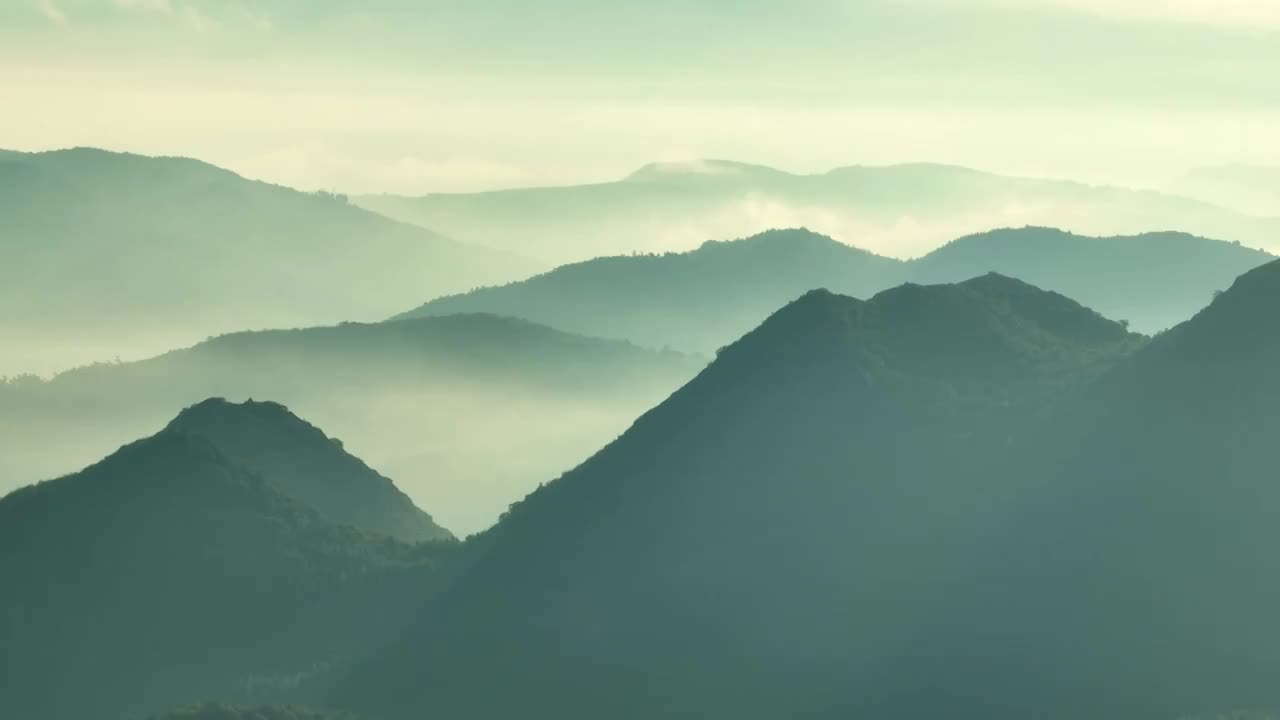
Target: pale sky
(411,96)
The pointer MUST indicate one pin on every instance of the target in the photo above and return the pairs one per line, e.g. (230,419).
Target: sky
(409,96)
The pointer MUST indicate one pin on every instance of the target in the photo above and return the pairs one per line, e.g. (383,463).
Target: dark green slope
(304,464)
(1149,577)
(168,573)
(706,298)
(133,255)
(467,413)
(766,542)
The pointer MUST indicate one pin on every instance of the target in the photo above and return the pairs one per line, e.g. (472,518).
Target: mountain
(772,540)
(898,210)
(306,465)
(111,254)
(706,298)
(696,301)
(1154,280)
(1252,189)
(169,572)
(468,413)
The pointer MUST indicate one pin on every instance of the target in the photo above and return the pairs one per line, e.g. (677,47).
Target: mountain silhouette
(168,573)
(306,465)
(467,413)
(769,541)
(701,300)
(133,255)
(897,210)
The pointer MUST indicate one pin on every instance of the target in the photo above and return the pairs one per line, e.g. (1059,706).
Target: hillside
(897,211)
(703,299)
(768,541)
(303,463)
(168,573)
(872,509)
(1248,188)
(467,413)
(111,255)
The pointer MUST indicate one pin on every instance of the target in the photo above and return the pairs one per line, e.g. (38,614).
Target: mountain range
(978,500)
(196,564)
(899,210)
(703,299)
(110,254)
(467,412)
(973,500)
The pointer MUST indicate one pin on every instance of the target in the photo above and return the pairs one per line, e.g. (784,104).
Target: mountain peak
(305,464)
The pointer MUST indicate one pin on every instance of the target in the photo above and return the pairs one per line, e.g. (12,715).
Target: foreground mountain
(468,413)
(306,465)
(898,211)
(774,539)
(704,299)
(170,572)
(216,711)
(122,255)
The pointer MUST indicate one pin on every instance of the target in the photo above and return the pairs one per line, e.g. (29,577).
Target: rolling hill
(111,254)
(703,299)
(169,572)
(898,211)
(468,413)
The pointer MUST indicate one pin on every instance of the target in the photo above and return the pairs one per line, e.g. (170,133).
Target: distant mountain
(696,301)
(898,211)
(303,463)
(706,298)
(467,413)
(1247,188)
(773,539)
(1154,280)
(111,254)
(169,572)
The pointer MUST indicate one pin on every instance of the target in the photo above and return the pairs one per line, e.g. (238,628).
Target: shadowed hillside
(767,541)
(170,572)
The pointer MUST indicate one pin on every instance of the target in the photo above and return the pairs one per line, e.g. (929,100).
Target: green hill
(168,573)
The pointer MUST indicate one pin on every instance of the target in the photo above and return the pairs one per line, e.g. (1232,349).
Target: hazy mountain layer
(122,255)
(169,572)
(706,298)
(467,413)
(898,211)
